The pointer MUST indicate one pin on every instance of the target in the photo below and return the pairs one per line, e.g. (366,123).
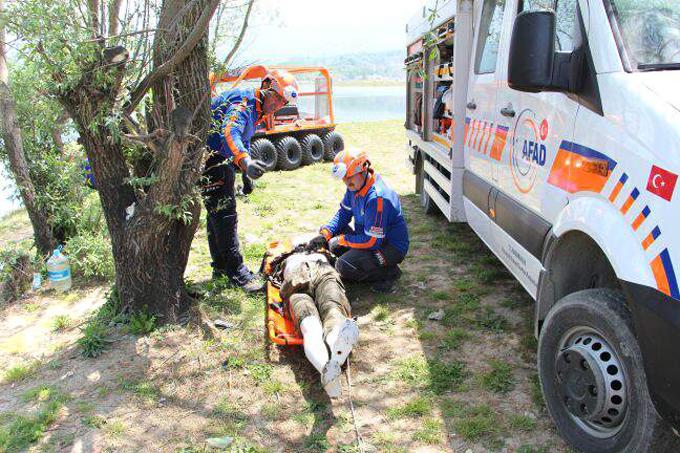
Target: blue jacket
(235,114)
(377,218)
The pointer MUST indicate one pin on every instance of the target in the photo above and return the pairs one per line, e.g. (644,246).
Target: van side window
(565,18)
(489,36)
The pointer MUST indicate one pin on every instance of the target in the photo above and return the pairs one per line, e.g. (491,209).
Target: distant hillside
(359,66)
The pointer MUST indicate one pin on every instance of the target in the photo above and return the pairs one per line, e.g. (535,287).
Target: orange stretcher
(280,327)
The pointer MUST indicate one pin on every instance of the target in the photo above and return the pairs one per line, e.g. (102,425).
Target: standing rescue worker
(379,242)
(235,115)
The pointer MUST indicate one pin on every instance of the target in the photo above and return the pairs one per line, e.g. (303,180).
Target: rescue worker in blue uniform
(236,114)
(372,251)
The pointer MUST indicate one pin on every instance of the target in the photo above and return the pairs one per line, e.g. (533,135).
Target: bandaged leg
(315,349)
(313,344)
(340,331)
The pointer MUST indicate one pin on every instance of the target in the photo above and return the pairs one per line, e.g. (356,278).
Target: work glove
(334,245)
(253,168)
(316,243)
(248,185)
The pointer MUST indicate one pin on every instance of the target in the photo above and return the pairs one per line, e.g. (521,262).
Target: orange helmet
(349,162)
(283,83)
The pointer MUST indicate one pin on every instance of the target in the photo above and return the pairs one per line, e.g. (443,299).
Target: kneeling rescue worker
(379,242)
(235,116)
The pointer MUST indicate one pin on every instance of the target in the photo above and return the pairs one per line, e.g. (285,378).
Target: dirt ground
(465,383)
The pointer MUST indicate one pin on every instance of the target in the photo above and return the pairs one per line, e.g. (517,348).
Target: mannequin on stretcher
(315,298)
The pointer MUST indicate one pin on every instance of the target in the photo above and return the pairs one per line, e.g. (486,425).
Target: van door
(482,87)
(537,125)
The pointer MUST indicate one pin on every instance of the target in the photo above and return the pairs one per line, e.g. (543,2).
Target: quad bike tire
(264,150)
(312,149)
(289,153)
(333,143)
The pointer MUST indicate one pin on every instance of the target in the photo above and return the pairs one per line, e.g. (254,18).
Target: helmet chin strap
(365,172)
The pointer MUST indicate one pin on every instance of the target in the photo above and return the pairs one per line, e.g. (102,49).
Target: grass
(94,340)
(94,421)
(19,372)
(441,295)
(146,390)
(461,310)
(436,375)
(477,423)
(142,323)
(454,338)
(523,423)
(61,322)
(24,430)
(41,393)
(447,270)
(489,320)
(380,312)
(415,408)
(430,433)
(536,391)
(316,442)
(260,372)
(499,379)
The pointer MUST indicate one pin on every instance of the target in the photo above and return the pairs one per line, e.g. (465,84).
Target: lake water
(369,103)
(349,103)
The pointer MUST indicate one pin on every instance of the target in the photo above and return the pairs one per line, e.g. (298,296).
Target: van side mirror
(533,63)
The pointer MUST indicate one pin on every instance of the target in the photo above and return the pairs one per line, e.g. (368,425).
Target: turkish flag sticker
(661,182)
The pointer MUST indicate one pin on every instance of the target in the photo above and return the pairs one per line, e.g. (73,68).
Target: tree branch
(93,6)
(184,51)
(237,44)
(114,11)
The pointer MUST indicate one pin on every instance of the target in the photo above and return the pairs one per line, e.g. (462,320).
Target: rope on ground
(360,441)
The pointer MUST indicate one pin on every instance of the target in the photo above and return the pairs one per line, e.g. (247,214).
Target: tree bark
(11,135)
(150,248)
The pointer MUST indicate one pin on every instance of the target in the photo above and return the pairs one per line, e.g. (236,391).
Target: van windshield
(650,31)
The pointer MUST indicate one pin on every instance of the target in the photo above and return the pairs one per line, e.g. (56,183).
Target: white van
(553,129)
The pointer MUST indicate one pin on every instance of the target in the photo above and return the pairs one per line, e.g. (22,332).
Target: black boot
(386,285)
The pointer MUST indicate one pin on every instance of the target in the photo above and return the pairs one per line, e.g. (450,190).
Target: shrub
(90,248)
(142,323)
(94,339)
(16,272)
(61,322)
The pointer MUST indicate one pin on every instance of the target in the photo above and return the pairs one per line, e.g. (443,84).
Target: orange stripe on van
(487,138)
(498,145)
(571,172)
(630,200)
(660,275)
(641,218)
(647,241)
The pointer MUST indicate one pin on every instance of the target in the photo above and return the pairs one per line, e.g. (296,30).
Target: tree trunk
(42,231)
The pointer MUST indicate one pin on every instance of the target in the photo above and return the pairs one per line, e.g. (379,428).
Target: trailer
(295,135)
(553,130)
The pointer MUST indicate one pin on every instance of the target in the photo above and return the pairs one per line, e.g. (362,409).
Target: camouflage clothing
(313,287)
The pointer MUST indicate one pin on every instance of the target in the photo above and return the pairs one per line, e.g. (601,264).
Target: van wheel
(312,149)
(426,202)
(289,153)
(592,376)
(263,150)
(332,145)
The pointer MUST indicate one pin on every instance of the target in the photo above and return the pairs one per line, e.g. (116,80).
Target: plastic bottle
(59,271)
(37,281)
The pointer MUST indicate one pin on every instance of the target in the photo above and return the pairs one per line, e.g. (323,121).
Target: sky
(327,27)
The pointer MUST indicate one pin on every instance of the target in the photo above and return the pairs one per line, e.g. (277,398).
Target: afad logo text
(528,150)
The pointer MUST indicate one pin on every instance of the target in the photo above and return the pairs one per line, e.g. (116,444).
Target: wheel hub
(591,381)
